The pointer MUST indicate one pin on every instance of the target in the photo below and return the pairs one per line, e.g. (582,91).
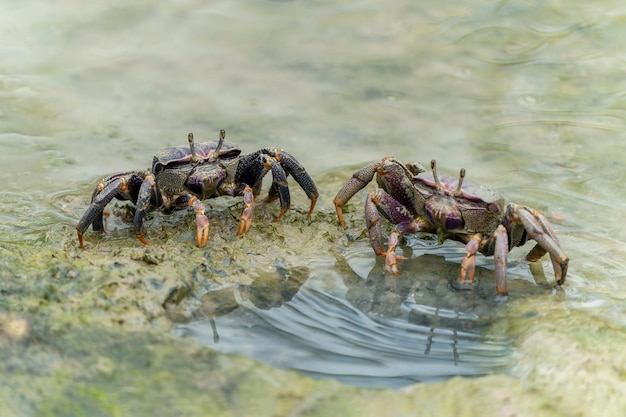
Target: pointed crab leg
(103,194)
(246,215)
(500,256)
(468,265)
(540,230)
(398,214)
(378,202)
(391,259)
(252,168)
(374,227)
(358,181)
(147,192)
(296,170)
(538,250)
(279,188)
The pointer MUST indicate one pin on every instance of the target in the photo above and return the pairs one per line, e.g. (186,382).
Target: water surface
(373,332)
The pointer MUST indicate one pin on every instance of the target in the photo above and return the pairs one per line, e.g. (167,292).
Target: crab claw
(246,221)
(391,259)
(468,265)
(202,229)
(246,215)
(202,223)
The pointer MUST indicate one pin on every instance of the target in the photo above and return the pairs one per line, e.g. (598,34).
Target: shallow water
(376,332)
(528,96)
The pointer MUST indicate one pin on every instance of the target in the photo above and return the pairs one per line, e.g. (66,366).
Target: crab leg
(147,192)
(358,181)
(252,168)
(103,194)
(98,222)
(374,227)
(391,259)
(501,250)
(500,254)
(246,215)
(297,171)
(380,202)
(397,213)
(279,187)
(468,265)
(538,251)
(540,230)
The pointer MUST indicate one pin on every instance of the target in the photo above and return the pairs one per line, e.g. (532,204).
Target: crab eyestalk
(215,153)
(222,136)
(192,148)
(458,192)
(433,167)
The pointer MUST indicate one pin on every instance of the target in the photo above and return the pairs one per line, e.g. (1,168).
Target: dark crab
(183,176)
(454,209)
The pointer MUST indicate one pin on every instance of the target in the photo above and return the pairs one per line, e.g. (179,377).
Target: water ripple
(321,333)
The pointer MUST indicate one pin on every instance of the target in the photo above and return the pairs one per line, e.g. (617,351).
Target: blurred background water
(528,96)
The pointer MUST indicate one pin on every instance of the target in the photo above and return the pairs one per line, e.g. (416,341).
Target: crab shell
(482,207)
(182,154)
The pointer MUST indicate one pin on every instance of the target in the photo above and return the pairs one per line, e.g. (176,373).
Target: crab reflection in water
(377,331)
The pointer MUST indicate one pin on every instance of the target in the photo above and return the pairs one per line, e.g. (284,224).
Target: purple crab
(183,176)
(453,209)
